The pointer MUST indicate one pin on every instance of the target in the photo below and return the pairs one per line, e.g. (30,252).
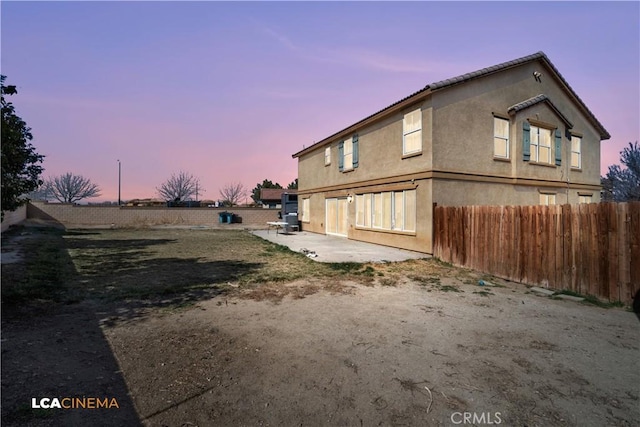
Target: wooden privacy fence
(592,249)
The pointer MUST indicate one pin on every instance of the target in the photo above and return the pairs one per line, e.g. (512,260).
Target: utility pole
(119,182)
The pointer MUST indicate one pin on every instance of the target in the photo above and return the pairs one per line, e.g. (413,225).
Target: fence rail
(592,249)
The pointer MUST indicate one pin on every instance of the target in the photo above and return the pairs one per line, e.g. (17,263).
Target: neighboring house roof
(146,202)
(443,84)
(274,193)
(536,100)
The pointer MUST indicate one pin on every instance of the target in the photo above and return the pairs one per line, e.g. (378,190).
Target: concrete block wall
(74,216)
(15,217)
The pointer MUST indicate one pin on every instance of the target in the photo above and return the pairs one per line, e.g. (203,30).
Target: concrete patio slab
(338,249)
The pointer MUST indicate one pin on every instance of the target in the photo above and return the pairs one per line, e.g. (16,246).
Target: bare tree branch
(70,188)
(180,187)
(232,193)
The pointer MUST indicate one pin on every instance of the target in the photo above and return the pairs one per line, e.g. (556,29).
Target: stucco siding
(463,127)
(380,155)
(457,164)
(420,240)
(467,193)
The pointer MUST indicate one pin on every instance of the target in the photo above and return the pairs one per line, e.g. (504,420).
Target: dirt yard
(203,328)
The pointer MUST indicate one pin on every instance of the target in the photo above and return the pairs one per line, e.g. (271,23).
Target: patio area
(337,249)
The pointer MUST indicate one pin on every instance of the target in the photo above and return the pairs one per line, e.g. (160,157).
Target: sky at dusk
(229,91)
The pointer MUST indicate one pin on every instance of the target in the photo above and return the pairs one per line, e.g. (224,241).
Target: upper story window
(540,144)
(412,132)
(348,154)
(327,156)
(500,138)
(576,152)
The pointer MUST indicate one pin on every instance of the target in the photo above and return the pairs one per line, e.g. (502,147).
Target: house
(515,133)
(271,197)
(286,200)
(146,202)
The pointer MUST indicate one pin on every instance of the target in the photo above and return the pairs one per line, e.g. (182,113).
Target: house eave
(346,132)
(447,83)
(538,99)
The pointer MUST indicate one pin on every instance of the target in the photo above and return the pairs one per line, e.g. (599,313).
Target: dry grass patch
(182,266)
(276,292)
(173,266)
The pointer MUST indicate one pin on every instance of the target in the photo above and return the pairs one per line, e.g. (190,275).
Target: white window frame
(383,215)
(585,198)
(376,210)
(347,155)
(327,156)
(578,140)
(306,213)
(360,210)
(535,144)
(547,199)
(412,127)
(410,219)
(502,139)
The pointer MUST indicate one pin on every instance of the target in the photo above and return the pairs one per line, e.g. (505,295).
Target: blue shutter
(341,156)
(526,141)
(558,147)
(355,151)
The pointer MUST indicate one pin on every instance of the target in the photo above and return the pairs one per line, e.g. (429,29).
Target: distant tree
(623,184)
(232,194)
(293,185)
(20,162)
(40,193)
(255,193)
(180,186)
(70,188)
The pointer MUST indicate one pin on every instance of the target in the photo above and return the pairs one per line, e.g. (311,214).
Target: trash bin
(224,217)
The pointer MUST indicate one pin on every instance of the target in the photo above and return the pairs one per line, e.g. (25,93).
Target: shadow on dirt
(51,346)
(129,277)
(54,308)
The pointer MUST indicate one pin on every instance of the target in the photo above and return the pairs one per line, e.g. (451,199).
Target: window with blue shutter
(558,147)
(526,141)
(355,151)
(341,156)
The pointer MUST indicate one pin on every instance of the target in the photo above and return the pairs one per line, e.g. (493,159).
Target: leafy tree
(293,185)
(255,193)
(623,184)
(20,162)
(179,187)
(70,188)
(232,194)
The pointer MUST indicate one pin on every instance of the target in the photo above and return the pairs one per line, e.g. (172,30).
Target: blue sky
(228,91)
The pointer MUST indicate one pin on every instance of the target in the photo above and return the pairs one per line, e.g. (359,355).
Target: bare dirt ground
(413,343)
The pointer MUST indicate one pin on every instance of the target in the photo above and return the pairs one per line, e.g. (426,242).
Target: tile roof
(486,71)
(442,84)
(536,100)
(274,193)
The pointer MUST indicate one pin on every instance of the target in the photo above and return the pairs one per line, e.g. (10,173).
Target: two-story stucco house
(512,134)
